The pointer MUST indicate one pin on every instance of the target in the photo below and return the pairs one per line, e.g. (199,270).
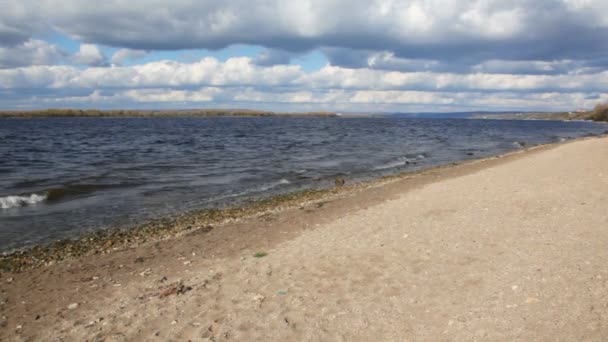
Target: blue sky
(359,56)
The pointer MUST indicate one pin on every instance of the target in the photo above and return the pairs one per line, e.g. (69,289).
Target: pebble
(174,322)
(514,287)
(73,306)
(9,280)
(405,236)
(258,298)
(282,292)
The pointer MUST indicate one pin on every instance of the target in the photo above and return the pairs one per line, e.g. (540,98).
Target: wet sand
(510,248)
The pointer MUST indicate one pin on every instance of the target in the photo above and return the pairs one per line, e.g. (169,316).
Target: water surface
(60,177)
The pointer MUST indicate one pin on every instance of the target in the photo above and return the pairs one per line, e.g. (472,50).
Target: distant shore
(47,113)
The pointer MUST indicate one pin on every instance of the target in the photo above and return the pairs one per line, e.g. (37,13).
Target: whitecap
(20,201)
(401,161)
(269,186)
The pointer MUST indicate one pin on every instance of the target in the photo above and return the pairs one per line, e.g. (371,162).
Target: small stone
(9,280)
(73,306)
(282,292)
(514,287)
(258,298)
(19,327)
(405,236)
(187,262)
(174,323)
(531,300)
(139,260)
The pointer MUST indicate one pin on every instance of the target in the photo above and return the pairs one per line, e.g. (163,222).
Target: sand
(508,249)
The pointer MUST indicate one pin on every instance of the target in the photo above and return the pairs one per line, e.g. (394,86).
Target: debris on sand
(176,288)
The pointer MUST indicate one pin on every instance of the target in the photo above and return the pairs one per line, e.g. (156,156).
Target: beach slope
(511,248)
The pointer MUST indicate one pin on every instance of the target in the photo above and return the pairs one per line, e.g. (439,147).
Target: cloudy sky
(343,55)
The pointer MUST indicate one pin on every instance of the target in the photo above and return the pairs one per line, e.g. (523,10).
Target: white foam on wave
(401,161)
(259,189)
(20,201)
(269,186)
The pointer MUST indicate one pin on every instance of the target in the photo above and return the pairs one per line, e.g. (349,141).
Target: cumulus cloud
(122,55)
(89,54)
(242,72)
(440,54)
(420,29)
(31,52)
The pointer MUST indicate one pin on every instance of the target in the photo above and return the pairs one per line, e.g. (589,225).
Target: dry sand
(508,249)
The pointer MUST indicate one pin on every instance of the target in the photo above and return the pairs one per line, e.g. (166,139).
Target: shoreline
(205,219)
(495,249)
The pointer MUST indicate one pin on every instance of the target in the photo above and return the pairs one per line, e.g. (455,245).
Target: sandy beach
(503,249)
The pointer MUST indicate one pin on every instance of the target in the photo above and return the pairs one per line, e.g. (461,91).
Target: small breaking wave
(269,186)
(252,191)
(20,201)
(401,161)
(519,144)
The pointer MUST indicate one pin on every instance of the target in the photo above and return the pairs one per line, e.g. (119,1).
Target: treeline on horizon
(150,113)
(599,113)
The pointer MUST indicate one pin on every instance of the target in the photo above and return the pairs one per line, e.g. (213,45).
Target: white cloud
(427,29)
(122,55)
(384,53)
(89,54)
(31,52)
(239,80)
(241,71)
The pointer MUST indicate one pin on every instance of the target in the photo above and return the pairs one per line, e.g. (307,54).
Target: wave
(401,161)
(269,186)
(256,190)
(70,190)
(21,201)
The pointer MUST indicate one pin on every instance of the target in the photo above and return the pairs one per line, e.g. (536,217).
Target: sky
(305,55)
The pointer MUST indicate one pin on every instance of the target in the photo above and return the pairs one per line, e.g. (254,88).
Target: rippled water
(63,176)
